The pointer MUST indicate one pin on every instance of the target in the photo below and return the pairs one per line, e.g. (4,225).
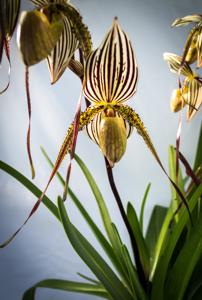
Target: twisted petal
(60,56)
(111,71)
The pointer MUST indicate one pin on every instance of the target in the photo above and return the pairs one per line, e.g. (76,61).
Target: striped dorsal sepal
(111,71)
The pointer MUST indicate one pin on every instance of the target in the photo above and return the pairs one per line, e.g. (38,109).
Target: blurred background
(41,250)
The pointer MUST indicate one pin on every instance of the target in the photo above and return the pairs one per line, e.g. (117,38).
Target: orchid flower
(193,46)
(190,91)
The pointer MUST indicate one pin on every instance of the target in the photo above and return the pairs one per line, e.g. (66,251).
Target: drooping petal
(61,55)
(111,71)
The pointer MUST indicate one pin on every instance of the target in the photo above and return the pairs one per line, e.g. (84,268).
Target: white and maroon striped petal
(61,55)
(111,71)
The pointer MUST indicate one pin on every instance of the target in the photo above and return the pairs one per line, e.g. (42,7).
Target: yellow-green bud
(112,138)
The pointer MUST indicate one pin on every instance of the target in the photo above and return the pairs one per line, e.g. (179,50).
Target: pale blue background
(41,250)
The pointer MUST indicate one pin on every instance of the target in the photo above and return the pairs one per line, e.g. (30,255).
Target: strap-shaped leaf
(161,271)
(187,20)
(193,97)
(111,71)
(61,55)
(65,285)
(174,63)
(92,258)
(137,232)
(37,36)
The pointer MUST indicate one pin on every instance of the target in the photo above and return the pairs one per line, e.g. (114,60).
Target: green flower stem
(140,270)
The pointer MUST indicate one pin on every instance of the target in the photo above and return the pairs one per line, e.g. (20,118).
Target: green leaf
(92,258)
(154,228)
(137,287)
(100,201)
(65,285)
(165,255)
(180,182)
(195,285)
(89,278)
(130,274)
(198,157)
(31,187)
(182,270)
(98,234)
(137,232)
(143,206)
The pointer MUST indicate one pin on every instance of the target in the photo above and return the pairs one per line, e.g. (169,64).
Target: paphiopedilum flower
(190,93)
(54,31)
(193,46)
(110,79)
